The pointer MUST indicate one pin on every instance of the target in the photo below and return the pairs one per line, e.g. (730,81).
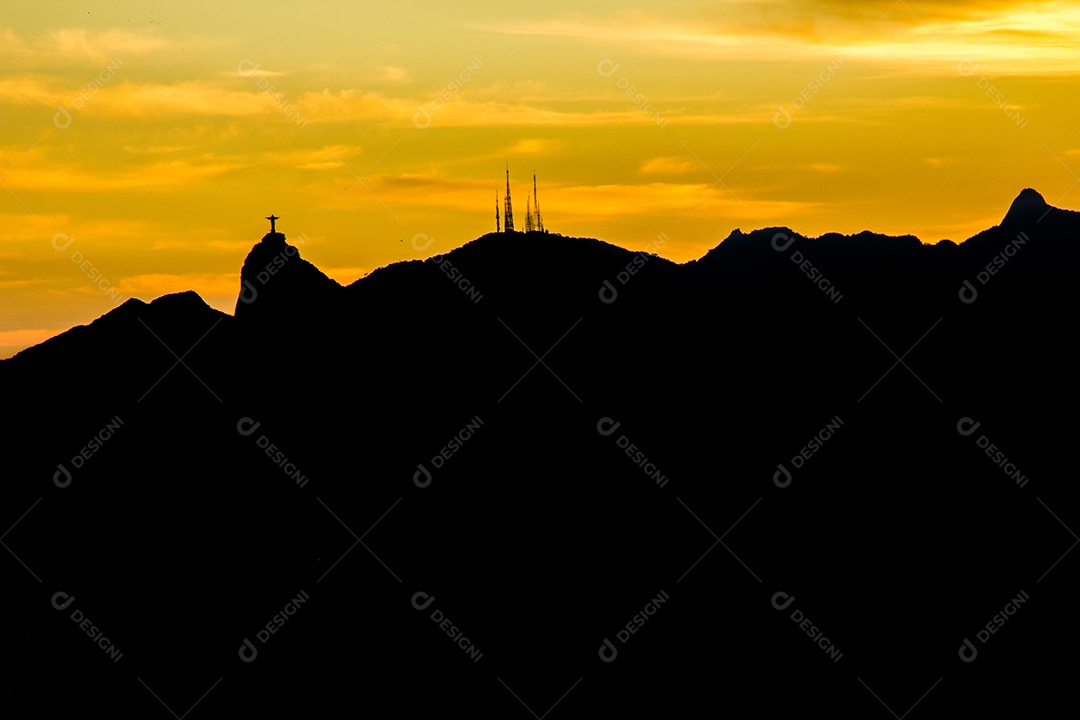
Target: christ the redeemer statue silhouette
(273,219)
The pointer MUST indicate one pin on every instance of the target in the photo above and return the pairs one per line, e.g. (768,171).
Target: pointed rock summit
(1028,207)
(276,281)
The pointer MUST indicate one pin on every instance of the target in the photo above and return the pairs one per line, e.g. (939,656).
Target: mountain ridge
(278,285)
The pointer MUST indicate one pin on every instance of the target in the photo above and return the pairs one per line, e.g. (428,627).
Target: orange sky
(142,143)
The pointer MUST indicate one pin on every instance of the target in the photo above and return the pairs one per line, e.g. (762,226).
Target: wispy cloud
(55,177)
(668,166)
(1042,36)
(104,45)
(394,74)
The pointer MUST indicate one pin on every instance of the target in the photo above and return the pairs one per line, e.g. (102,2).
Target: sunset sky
(142,143)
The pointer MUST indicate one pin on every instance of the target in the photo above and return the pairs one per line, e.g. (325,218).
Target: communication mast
(539,224)
(508,212)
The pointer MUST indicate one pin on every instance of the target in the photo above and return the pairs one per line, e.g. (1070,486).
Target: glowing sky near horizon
(139,136)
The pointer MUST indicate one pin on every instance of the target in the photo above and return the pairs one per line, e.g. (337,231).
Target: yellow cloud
(394,74)
(159,149)
(329,157)
(535,146)
(668,166)
(28,90)
(679,200)
(104,45)
(1013,38)
(12,44)
(198,98)
(163,175)
(27,228)
(153,102)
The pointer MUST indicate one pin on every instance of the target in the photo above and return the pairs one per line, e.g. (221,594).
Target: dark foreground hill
(546,476)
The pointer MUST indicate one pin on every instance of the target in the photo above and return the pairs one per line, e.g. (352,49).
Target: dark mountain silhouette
(609,471)
(275,282)
(1028,208)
